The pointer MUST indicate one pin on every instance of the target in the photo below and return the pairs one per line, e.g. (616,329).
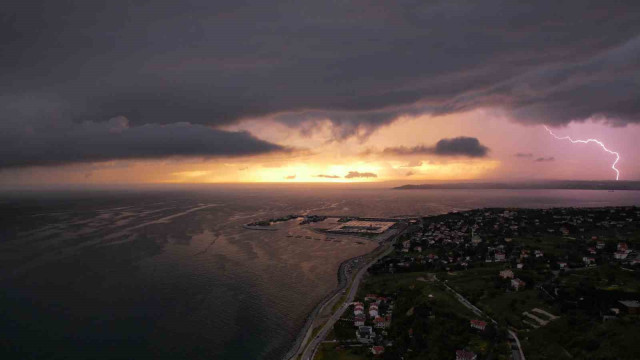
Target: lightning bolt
(613,166)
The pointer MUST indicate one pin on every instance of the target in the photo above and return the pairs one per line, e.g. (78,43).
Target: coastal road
(311,348)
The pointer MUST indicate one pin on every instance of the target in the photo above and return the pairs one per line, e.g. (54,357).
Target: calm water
(171,274)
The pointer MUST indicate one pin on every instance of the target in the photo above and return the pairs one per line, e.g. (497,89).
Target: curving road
(311,348)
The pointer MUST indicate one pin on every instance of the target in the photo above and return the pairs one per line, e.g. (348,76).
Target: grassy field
(580,339)
(604,278)
(428,291)
(332,351)
(478,285)
(439,322)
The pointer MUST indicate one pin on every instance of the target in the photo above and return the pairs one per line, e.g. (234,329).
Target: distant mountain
(558,184)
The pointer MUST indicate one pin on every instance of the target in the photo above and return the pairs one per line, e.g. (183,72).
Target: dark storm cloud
(63,143)
(359,65)
(523,155)
(328,176)
(357,174)
(459,146)
(543,159)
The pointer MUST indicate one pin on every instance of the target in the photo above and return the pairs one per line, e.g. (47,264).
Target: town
(500,284)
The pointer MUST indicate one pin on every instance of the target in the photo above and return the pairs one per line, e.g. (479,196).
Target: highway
(311,348)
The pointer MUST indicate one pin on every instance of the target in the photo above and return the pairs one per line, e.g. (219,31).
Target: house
(373,310)
(620,255)
(381,322)
(562,264)
(371,297)
(418,248)
(478,324)
(500,256)
(588,260)
(623,247)
(538,253)
(359,320)
(600,245)
(519,265)
(475,239)
(358,309)
(631,306)
(365,334)
(517,284)
(465,355)
(592,250)
(377,350)
(506,274)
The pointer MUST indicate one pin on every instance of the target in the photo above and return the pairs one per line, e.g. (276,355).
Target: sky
(195,91)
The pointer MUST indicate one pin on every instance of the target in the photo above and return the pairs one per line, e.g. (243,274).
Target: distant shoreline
(547,185)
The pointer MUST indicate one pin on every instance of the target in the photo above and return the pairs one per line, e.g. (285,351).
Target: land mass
(556,184)
(559,283)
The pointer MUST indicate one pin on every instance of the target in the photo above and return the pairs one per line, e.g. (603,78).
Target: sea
(171,273)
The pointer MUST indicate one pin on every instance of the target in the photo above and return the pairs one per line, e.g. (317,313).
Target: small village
(499,284)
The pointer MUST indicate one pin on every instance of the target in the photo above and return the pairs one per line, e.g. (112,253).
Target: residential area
(501,284)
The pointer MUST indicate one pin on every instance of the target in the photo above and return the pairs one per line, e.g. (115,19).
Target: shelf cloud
(66,142)
(215,63)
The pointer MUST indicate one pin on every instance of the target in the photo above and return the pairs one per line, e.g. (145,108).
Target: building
(373,310)
(358,309)
(620,255)
(362,227)
(500,256)
(371,297)
(365,334)
(465,355)
(382,322)
(623,247)
(377,350)
(517,284)
(478,324)
(359,320)
(506,274)
(631,306)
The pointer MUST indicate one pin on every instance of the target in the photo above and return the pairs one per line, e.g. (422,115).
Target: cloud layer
(64,143)
(358,65)
(328,176)
(459,146)
(357,174)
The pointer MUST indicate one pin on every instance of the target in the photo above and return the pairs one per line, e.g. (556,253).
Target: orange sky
(317,154)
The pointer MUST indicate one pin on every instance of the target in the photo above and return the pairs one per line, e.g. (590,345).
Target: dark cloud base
(113,140)
(357,65)
(459,146)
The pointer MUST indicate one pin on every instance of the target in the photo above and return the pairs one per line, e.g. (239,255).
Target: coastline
(343,282)
(303,333)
